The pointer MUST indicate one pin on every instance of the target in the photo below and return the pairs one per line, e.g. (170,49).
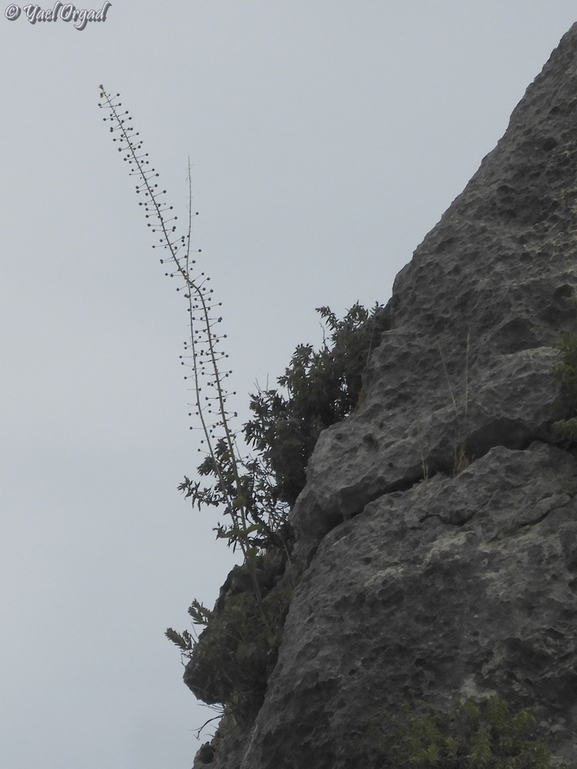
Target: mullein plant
(241,486)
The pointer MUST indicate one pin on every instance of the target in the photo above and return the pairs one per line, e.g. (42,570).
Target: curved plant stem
(203,341)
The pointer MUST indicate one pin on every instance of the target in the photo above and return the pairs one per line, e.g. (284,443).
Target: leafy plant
(230,662)
(265,513)
(233,658)
(319,388)
(234,654)
(472,735)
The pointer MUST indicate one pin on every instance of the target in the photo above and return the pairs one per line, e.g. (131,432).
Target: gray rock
(437,533)
(204,756)
(457,587)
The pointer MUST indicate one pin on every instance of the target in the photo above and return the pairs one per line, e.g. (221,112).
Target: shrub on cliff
(319,387)
(253,494)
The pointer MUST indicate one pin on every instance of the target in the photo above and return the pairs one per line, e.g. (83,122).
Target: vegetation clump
(319,388)
(472,735)
(231,660)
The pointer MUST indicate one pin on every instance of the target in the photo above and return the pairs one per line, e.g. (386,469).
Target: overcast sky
(327,138)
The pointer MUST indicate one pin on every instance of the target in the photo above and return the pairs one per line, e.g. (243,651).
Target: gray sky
(327,138)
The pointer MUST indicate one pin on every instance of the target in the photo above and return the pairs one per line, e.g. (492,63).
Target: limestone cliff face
(496,270)
(437,534)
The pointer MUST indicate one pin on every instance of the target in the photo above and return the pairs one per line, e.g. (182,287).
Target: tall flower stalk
(239,485)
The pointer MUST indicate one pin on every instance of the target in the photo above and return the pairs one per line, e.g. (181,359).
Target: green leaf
(481,752)
(199,613)
(182,640)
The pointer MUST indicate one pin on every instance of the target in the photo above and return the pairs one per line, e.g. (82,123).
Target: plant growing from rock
(319,388)
(233,656)
(472,735)
(232,660)
(322,386)
(240,484)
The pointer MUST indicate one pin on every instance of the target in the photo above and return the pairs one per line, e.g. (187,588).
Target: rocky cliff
(436,539)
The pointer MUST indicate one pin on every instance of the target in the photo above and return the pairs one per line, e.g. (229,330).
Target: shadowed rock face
(453,586)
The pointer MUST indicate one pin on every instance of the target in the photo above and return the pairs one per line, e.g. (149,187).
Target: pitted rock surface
(454,588)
